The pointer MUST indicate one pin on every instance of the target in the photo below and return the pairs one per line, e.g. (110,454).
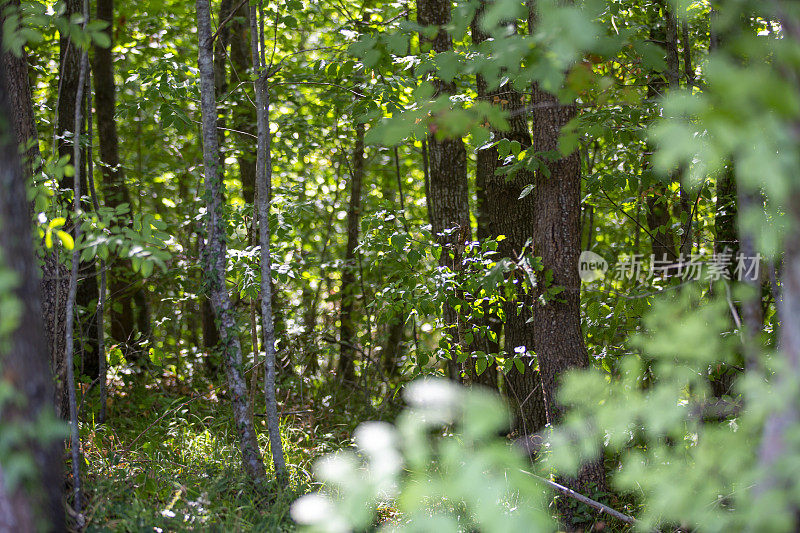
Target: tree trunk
(123,283)
(24,360)
(243,113)
(448,188)
(395,330)
(557,334)
(349,290)
(53,285)
(87,295)
(557,337)
(263,187)
(511,216)
(778,440)
(725,211)
(72,311)
(659,218)
(215,254)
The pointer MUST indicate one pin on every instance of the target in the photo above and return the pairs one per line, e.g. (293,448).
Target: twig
(658,241)
(227,19)
(323,84)
(584,499)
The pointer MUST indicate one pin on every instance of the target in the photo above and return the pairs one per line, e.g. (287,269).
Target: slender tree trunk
(484,172)
(395,330)
(211,333)
(24,359)
(349,290)
(215,254)
(102,371)
(448,188)
(75,440)
(263,185)
(69,68)
(123,282)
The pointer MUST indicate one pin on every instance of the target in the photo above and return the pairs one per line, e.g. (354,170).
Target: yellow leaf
(57,222)
(66,239)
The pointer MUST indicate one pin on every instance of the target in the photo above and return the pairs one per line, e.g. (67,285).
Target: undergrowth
(167,458)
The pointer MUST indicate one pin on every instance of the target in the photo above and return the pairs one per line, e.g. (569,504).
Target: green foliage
(674,446)
(441,466)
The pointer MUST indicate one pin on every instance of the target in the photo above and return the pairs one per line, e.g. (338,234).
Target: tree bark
(349,290)
(69,67)
(658,216)
(263,184)
(243,113)
(24,362)
(78,178)
(512,217)
(557,334)
(778,440)
(448,188)
(54,277)
(214,255)
(123,283)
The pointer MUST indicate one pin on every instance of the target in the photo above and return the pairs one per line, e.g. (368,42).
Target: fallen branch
(584,499)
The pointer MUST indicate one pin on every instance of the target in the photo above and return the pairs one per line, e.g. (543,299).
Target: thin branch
(633,219)
(584,499)
(321,83)
(227,19)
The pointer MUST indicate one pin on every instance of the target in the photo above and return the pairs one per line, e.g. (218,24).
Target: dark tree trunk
(395,329)
(123,283)
(751,311)
(215,255)
(53,286)
(659,218)
(511,216)
(484,172)
(19,96)
(349,290)
(24,361)
(557,337)
(394,344)
(448,189)
(725,213)
(557,334)
(243,113)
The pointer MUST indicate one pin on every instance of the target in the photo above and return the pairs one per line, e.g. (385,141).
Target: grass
(168,460)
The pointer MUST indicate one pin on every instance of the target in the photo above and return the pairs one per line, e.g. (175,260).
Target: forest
(378,265)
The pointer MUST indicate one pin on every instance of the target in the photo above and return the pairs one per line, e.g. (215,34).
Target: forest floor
(167,458)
